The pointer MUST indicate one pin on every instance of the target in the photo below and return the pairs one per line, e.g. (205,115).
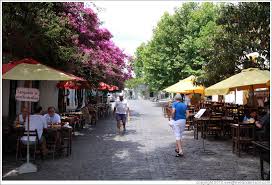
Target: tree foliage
(173,53)
(245,29)
(208,40)
(68,36)
(134,82)
(34,30)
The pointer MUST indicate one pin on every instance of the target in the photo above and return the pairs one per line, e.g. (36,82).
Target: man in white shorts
(121,110)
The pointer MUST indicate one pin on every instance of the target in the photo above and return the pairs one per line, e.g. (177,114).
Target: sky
(132,22)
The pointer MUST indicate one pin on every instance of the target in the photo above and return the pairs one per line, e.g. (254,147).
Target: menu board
(200,113)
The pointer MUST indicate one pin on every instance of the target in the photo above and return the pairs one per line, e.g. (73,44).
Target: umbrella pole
(27,160)
(252,102)
(235,95)
(253,96)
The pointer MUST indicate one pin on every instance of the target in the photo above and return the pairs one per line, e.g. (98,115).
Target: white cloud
(132,22)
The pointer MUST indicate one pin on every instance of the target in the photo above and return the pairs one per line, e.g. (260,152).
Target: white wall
(230,98)
(239,97)
(5,98)
(48,94)
(215,98)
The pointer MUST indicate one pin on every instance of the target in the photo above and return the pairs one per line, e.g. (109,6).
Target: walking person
(121,110)
(179,115)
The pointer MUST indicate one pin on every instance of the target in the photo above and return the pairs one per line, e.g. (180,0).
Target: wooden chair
(33,145)
(189,121)
(226,127)
(86,115)
(52,138)
(66,137)
(19,131)
(214,126)
(169,113)
(164,108)
(94,112)
(242,136)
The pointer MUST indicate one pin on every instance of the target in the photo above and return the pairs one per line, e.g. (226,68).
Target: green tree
(244,29)
(134,82)
(174,52)
(137,62)
(37,31)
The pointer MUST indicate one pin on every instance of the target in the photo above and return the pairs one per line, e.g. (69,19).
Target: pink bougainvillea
(105,59)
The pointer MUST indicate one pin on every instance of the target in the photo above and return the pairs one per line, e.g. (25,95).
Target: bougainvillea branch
(103,58)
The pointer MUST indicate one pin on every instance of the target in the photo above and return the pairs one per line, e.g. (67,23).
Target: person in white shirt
(51,117)
(121,110)
(36,122)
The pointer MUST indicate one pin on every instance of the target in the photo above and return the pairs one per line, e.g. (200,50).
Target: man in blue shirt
(179,115)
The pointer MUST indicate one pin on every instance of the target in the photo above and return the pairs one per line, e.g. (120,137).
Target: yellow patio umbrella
(251,78)
(185,86)
(29,69)
(268,83)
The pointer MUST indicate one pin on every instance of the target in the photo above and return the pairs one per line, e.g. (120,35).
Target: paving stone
(144,152)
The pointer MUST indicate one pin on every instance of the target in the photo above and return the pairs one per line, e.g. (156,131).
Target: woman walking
(179,115)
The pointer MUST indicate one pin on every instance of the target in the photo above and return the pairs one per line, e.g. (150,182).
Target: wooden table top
(242,125)
(202,119)
(67,117)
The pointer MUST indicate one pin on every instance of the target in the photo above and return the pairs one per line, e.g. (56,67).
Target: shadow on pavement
(96,154)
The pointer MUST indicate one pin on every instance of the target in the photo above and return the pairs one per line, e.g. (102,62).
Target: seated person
(265,120)
(263,125)
(22,118)
(250,117)
(36,122)
(51,117)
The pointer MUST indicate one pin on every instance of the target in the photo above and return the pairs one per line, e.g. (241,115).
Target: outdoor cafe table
(72,116)
(79,114)
(74,113)
(204,121)
(72,120)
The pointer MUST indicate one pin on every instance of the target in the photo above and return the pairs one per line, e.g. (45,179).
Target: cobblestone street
(144,152)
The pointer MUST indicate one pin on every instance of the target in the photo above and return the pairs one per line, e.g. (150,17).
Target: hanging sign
(27,94)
